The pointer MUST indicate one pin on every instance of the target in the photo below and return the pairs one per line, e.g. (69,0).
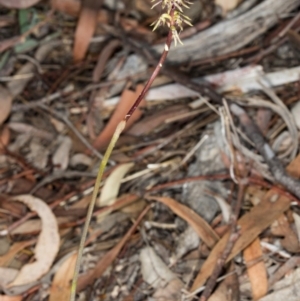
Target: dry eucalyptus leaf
(34,225)
(47,245)
(203,229)
(112,185)
(11,298)
(127,99)
(5,102)
(257,271)
(28,227)
(4,137)
(18,3)
(61,285)
(86,27)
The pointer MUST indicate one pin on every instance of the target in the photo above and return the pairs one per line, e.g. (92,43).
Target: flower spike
(173,20)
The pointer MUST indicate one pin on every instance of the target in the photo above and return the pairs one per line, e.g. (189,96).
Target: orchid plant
(173,17)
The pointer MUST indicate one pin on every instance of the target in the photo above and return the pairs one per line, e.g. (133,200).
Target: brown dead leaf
(149,123)
(203,229)
(10,298)
(18,3)
(47,245)
(126,101)
(61,284)
(72,7)
(256,269)
(4,137)
(85,27)
(251,225)
(5,103)
(34,225)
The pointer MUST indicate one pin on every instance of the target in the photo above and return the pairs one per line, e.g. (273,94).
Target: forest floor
(200,198)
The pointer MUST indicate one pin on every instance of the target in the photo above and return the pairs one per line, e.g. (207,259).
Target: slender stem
(109,150)
(103,164)
(155,72)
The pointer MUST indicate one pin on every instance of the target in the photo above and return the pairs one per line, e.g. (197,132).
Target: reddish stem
(156,70)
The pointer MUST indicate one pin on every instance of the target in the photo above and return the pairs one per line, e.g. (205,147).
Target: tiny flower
(173,20)
(176,37)
(162,20)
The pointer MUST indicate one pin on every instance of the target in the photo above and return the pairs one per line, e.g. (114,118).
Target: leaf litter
(167,209)
(47,244)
